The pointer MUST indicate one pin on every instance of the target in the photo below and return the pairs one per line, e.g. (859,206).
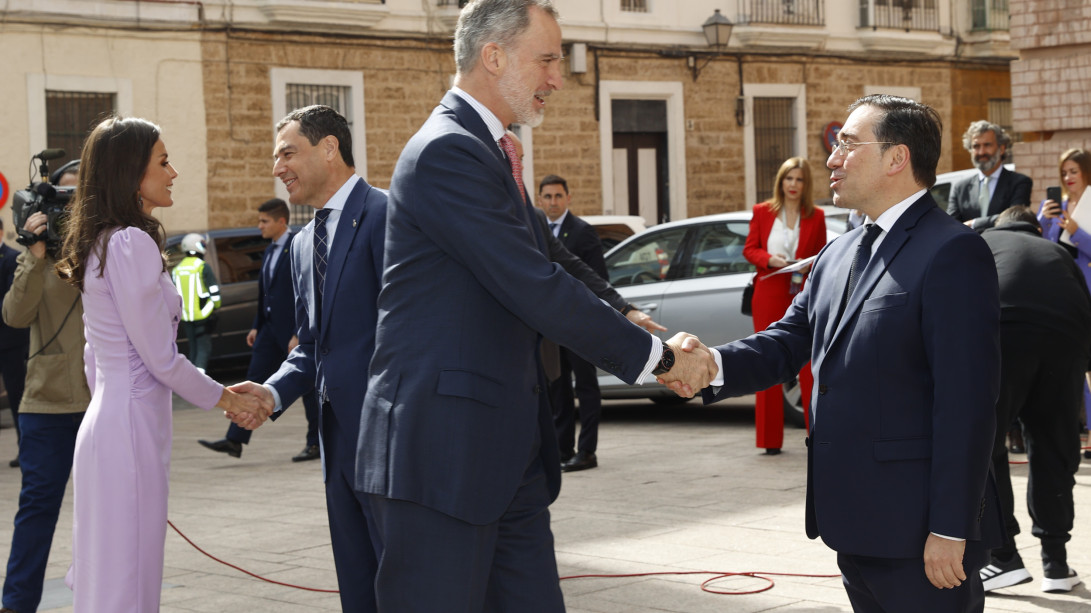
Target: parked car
(689,275)
(235,257)
(612,229)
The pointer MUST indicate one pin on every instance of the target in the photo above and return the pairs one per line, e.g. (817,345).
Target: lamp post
(717,29)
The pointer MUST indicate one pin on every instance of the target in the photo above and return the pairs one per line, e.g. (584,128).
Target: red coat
(771,297)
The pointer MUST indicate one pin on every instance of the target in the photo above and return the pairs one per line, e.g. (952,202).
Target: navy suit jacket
(581,239)
(334,351)
(456,407)
(903,406)
(1012,188)
(276,299)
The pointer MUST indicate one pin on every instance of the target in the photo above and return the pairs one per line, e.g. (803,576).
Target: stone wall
(404,79)
(1051,101)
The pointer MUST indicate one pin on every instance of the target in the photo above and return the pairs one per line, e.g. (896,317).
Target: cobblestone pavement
(679,489)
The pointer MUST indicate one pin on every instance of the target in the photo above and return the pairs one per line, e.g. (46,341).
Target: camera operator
(54,401)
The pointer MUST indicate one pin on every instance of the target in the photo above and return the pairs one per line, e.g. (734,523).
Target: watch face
(666,362)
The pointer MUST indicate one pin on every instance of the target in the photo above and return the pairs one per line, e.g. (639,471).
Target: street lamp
(717,29)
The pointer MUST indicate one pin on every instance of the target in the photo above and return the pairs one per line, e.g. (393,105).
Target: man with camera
(54,399)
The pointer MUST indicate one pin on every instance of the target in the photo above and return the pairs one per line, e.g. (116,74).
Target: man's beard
(989,164)
(519,99)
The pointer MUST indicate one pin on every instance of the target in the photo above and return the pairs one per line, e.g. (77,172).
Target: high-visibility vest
(198,288)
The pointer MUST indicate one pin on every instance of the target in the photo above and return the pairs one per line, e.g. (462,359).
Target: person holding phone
(783,230)
(1056,216)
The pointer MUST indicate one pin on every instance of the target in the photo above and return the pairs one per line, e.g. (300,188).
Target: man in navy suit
(336,264)
(906,370)
(978,200)
(581,239)
(13,342)
(273,334)
(456,440)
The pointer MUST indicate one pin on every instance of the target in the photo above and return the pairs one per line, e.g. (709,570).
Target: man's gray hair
(980,127)
(492,21)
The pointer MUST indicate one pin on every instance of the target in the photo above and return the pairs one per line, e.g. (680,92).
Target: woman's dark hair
(115,157)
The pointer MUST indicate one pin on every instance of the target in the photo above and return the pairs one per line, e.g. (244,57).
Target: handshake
(247,404)
(694,367)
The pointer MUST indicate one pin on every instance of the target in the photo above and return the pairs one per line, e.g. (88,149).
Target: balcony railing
(899,14)
(452,3)
(990,15)
(791,12)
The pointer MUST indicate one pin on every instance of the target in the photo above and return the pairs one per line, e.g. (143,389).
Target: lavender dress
(122,458)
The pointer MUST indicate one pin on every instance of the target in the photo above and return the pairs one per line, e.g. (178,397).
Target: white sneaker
(994,577)
(1065,584)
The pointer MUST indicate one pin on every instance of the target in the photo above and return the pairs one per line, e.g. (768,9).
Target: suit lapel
(282,259)
(892,243)
(470,120)
(347,225)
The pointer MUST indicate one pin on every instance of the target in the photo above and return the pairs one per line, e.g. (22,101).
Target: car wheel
(669,400)
(793,403)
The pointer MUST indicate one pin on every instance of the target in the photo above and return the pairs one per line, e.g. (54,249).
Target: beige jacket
(38,298)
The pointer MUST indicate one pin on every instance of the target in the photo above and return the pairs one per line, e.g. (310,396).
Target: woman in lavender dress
(113,253)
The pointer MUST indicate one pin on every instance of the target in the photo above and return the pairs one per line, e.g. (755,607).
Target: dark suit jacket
(1012,188)
(334,351)
(276,299)
(902,412)
(581,239)
(595,281)
(456,407)
(10,338)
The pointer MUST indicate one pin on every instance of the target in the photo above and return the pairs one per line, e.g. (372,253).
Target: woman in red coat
(783,230)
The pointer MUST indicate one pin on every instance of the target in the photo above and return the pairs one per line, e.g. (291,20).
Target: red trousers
(771,301)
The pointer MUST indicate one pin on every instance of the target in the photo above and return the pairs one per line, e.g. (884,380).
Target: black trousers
(562,399)
(13,368)
(1041,384)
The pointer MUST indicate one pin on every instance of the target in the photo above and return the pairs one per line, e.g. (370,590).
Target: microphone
(50,154)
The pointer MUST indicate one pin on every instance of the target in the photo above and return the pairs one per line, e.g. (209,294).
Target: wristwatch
(666,362)
(628,307)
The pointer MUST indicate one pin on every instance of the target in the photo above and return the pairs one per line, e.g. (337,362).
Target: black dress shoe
(230,447)
(567,455)
(580,461)
(772,451)
(310,452)
(14,464)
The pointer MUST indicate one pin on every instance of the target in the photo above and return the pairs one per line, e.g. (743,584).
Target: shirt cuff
(653,360)
(950,538)
(718,380)
(276,398)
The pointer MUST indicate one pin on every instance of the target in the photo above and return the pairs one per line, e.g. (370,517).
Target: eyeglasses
(848,147)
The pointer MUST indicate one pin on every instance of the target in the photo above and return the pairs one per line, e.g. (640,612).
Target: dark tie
(553,228)
(860,260)
(269,263)
(508,146)
(320,250)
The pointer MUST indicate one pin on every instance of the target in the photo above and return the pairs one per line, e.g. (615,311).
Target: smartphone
(1054,193)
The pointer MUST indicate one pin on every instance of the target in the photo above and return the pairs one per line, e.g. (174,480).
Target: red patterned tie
(508,145)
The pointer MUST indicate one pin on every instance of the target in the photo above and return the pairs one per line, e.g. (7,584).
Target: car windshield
(645,259)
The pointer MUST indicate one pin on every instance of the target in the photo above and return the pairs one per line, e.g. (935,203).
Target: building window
(341,90)
(774,140)
(1000,113)
(791,12)
(634,6)
(452,3)
(69,117)
(990,15)
(899,14)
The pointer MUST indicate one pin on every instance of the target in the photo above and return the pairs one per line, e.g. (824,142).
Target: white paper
(1082,216)
(801,264)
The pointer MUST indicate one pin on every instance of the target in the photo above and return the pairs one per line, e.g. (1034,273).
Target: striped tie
(320,251)
(508,146)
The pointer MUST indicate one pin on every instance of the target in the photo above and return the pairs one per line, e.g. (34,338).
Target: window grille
(69,117)
(774,140)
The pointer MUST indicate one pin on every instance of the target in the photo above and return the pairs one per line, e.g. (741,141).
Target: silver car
(689,275)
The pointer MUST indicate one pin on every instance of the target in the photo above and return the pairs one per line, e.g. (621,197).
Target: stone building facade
(242,65)
(1051,99)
